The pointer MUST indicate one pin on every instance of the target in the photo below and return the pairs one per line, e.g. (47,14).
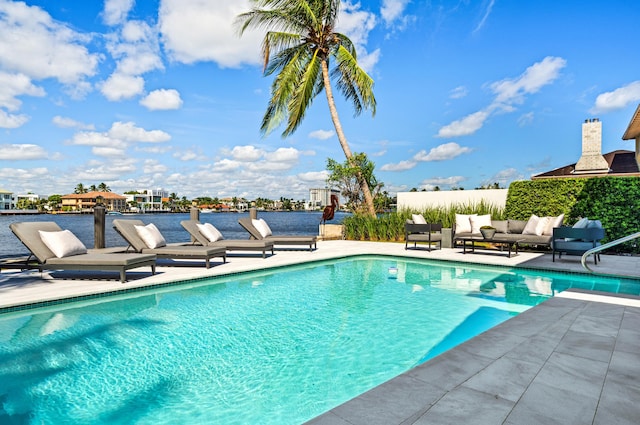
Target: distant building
(149,199)
(320,198)
(29,198)
(6,200)
(592,163)
(87,201)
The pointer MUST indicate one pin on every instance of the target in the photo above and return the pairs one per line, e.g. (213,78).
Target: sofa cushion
(516,226)
(477,221)
(581,224)
(536,225)
(501,226)
(463,223)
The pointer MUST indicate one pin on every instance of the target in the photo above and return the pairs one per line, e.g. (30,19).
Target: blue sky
(164,94)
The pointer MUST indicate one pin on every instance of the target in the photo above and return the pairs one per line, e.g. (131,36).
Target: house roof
(633,130)
(621,163)
(93,195)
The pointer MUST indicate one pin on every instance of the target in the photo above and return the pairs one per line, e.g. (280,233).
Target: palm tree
(102,187)
(80,189)
(299,45)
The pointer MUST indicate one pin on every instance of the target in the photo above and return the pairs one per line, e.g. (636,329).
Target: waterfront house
(6,200)
(87,201)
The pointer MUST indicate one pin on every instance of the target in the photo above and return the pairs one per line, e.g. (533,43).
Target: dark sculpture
(329,210)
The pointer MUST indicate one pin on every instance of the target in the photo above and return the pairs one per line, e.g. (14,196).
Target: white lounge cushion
(553,222)
(477,221)
(418,219)
(536,225)
(262,227)
(151,236)
(463,223)
(63,243)
(209,231)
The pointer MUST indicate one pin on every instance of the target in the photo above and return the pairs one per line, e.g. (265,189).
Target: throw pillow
(477,221)
(262,227)
(553,222)
(63,243)
(151,236)
(463,223)
(209,231)
(581,224)
(418,219)
(532,224)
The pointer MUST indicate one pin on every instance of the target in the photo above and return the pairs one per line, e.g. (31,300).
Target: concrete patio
(573,359)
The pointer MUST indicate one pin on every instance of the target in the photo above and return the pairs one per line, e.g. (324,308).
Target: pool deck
(575,359)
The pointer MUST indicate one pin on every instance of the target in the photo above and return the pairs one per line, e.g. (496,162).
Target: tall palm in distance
(300,46)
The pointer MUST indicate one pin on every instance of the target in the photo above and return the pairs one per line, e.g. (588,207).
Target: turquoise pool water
(276,347)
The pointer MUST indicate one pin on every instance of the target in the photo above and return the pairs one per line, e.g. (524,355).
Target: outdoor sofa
(202,235)
(265,234)
(525,232)
(57,249)
(129,230)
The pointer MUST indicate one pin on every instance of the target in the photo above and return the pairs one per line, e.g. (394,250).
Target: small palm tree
(299,45)
(102,187)
(80,189)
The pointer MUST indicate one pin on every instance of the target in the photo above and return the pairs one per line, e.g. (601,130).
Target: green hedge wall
(615,201)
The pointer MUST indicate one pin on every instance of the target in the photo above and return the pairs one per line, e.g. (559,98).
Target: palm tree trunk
(364,186)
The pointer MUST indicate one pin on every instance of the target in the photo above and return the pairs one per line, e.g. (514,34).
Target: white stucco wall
(444,198)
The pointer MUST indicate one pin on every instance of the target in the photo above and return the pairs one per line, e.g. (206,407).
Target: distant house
(320,198)
(592,163)
(87,201)
(6,200)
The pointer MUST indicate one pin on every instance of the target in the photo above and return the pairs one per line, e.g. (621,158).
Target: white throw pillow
(477,221)
(262,227)
(63,243)
(530,227)
(553,222)
(418,219)
(151,236)
(463,223)
(209,231)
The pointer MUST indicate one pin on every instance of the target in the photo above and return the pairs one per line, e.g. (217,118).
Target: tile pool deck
(574,359)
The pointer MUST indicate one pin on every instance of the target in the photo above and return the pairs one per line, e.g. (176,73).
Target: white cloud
(504,177)
(246,153)
(283,155)
(152,166)
(115,11)
(400,166)
(12,120)
(34,44)
(22,152)
(226,165)
(487,12)
(21,174)
(13,85)
(525,119)
(314,176)
(617,99)
(197,30)
(129,132)
(162,99)
(442,152)
(188,155)
(453,181)
(357,24)
(322,134)
(108,151)
(467,125)
(64,122)
(533,79)
(458,93)
(392,10)
(93,138)
(122,86)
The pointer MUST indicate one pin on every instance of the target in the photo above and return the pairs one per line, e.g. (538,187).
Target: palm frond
(355,84)
(303,95)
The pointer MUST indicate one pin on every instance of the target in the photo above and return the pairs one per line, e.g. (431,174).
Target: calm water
(259,348)
(294,223)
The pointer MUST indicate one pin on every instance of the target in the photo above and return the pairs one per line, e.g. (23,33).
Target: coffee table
(502,242)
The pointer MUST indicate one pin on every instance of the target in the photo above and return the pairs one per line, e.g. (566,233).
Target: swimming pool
(277,347)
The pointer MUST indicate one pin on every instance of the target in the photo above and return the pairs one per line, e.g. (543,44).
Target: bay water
(82,225)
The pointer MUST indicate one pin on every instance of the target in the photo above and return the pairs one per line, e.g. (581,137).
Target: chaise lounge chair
(248,224)
(127,229)
(194,229)
(70,253)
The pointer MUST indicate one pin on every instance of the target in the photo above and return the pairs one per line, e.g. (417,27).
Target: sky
(165,94)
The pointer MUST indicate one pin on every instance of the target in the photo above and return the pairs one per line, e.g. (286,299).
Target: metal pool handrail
(606,246)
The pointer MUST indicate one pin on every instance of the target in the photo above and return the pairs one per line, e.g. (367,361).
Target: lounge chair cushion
(63,243)
(463,223)
(477,221)
(418,219)
(262,227)
(151,236)
(209,231)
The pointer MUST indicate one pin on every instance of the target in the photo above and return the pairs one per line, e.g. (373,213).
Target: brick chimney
(591,160)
